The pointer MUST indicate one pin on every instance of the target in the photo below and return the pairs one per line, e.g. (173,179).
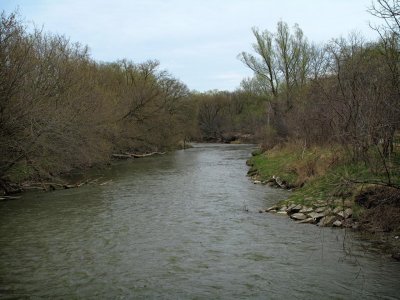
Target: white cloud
(198,40)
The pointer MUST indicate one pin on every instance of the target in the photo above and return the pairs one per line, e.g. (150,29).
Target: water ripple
(174,227)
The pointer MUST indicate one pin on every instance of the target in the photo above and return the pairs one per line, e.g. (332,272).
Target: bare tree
(389,12)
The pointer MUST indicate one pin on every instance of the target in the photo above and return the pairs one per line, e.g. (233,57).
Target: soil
(381,216)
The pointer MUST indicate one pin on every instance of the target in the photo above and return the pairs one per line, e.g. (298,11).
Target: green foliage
(332,176)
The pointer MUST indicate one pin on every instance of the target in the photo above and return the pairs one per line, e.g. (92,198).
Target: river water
(176,226)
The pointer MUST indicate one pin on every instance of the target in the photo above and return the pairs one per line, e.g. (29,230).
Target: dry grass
(310,162)
(382,213)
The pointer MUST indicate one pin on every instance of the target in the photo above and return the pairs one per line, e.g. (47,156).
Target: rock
(281,212)
(274,207)
(260,211)
(307,221)
(252,172)
(320,209)
(306,210)
(279,182)
(283,208)
(294,208)
(256,181)
(298,216)
(348,203)
(337,209)
(320,204)
(337,223)
(272,184)
(316,216)
(326,221)
(347,213)
(297,208)
(338,202)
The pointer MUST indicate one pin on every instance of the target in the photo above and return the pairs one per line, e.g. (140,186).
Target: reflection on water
(174,227)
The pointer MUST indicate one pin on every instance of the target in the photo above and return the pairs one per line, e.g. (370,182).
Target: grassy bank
(329,176)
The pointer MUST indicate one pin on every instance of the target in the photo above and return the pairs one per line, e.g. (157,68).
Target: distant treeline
(60,109)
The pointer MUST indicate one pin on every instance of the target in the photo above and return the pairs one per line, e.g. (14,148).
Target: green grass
(319,174)
(269,164)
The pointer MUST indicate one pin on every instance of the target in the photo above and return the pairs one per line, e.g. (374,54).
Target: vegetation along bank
(330,189)
(326,116)
(62,111)
(332,131)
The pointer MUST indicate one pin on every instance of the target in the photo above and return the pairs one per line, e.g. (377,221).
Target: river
(175,226)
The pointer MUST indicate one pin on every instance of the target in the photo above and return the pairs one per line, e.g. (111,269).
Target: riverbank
(330,190)
(73,178)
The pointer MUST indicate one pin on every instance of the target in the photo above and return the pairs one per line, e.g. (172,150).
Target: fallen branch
(375,182)
(147,154)
(51,186)
(9,197)
(105,182)
(46,186)
(134,155)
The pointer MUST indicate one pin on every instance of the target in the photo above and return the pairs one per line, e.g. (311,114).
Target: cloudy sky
(196,40)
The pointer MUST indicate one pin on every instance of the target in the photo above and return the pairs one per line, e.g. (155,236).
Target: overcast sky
(196,40)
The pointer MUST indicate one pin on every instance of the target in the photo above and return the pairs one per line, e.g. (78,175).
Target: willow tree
(281,62)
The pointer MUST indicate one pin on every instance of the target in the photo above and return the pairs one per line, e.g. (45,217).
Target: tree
(282,67)
(265,66)
(60,110)
(389,12)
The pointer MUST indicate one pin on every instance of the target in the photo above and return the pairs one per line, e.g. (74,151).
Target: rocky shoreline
(321,213)
(333,213)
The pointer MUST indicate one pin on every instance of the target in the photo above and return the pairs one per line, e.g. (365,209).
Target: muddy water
(175,227)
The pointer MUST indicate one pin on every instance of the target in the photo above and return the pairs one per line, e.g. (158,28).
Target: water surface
(173,227)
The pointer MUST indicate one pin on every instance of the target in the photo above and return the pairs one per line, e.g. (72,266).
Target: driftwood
(375,182)
(51,186)
(105,182)
(134,155)
(9,197)
(147,154)
(121,156)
